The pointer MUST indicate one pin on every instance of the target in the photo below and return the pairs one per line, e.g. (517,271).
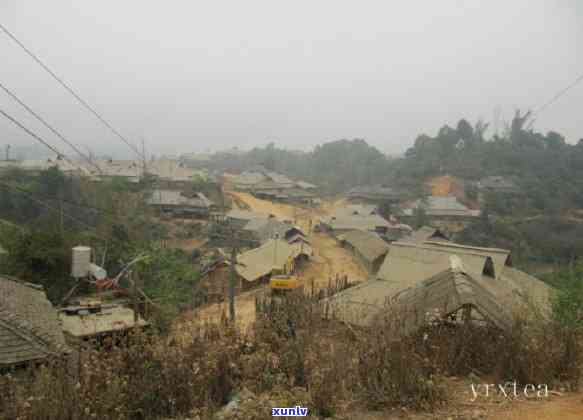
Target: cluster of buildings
(33,330)
(271,185)
(425,278)
(271,247)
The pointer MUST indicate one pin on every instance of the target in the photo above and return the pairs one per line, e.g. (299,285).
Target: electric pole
(228,236)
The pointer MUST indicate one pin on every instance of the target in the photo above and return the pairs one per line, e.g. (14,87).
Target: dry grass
(293,356)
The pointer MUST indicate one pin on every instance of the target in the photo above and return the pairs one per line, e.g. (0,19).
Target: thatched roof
(426,233)
(246,215)
(412,262)
(417,280)
(275,254)
(356,222)
(265,229)
(29,327)
(368,244)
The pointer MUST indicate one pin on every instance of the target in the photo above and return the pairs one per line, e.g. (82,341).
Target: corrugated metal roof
(368,244)
(29,327)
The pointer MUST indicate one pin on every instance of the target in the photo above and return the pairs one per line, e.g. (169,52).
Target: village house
(424,234)
(89,318)
(418,283)
(239,218)
(363,217)
(130,171)
(368,247)
(254,267)
(443,212)
(29,327)
(177,204)
(261,230)
(271,185)
(505,186)
(377,194)
(35,166)
(173,174)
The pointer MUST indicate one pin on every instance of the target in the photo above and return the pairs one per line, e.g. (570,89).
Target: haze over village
(330,210)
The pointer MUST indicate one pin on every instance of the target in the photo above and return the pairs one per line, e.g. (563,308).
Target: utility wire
(556,97)
(71,91)
(50,127)
(29,195)
(35,136)
(73,203)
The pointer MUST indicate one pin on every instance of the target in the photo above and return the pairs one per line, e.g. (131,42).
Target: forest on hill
(541,225)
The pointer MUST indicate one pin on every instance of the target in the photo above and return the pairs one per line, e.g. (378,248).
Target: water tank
(81,261)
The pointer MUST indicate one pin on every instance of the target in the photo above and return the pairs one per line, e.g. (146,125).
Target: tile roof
(29,326)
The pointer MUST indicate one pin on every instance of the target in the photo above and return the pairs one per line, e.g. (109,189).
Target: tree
(465,130)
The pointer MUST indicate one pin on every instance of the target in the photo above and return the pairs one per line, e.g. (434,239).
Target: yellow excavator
(284,284)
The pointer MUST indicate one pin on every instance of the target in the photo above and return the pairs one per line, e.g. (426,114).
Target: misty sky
(197,75)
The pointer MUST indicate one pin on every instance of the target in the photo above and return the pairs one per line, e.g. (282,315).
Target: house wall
(217,284)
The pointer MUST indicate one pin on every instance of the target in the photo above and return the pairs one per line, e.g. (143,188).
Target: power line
(556,97)
(29,195)
(47,125)
(70,90)
(35,136)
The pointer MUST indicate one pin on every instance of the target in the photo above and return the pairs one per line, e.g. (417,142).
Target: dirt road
(329,260)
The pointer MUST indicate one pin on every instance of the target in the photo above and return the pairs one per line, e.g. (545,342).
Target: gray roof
(249,178)
(373,191)
(355,209)
(279,178)
(499,183)
(422,285)
(356,222)
(368,244)
(175,198)
(171,170)
(29,327)
(425,233)
(442,206)
(305,185)
(265,229)
(246,215)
